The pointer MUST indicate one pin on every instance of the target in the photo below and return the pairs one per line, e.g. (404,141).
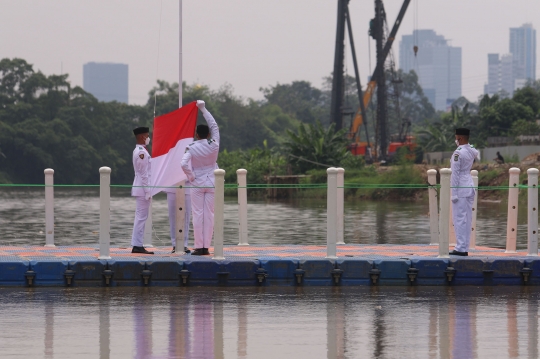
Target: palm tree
(315,147)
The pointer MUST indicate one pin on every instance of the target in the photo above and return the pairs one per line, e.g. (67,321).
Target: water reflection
(142,313)
(272,322)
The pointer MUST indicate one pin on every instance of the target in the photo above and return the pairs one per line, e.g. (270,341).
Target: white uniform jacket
(461,163)
(203,155)
(142,167)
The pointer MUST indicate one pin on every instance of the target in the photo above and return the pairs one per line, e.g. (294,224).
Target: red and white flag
(173,132)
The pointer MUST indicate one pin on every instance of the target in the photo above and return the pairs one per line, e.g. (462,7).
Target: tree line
(45,122)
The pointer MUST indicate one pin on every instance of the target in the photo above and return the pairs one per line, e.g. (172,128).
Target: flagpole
(180,59)
(180,192)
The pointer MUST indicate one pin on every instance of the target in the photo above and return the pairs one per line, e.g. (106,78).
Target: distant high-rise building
(523,48)
(509,72)
(106,81)
(437,64)
(502,71)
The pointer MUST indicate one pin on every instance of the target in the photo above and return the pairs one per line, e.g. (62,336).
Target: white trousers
(202,206)
(171,200)
(141,215)
(462,219)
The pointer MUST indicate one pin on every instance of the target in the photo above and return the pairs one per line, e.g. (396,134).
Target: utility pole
(378,27)
(338,85)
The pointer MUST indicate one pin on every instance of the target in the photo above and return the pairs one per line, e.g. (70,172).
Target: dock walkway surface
(286,265)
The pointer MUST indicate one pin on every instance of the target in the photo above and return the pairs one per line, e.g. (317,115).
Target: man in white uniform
(203,155)
(462,191)
(171,200)
(141,189)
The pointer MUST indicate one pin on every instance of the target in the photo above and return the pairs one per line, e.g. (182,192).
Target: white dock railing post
(511,226)
(331,213)
(532,212)
(340,205)
(49,207)
(472,245)
(219,207)
(180,217)
(104,213)
(444,217)
(242,207)
(433,209)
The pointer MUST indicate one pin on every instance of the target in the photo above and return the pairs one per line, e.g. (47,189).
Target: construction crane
(377,80)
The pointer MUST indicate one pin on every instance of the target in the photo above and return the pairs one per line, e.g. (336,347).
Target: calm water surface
(22,220)
(295,322)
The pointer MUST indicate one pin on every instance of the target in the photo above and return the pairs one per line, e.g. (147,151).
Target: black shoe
(173,250)
(458,253)
(140,250)
(186,250)
(205,251)
(200,252)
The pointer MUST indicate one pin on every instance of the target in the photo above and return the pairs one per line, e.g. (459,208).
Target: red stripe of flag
(173,127)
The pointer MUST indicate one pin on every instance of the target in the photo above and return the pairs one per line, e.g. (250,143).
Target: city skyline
(437,64)
(512,70)
(240,42)
(107,81)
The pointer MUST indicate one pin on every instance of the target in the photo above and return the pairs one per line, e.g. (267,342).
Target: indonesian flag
(173,132)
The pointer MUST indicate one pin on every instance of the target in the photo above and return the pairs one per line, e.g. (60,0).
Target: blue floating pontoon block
(469,271)
(506,271)
(88,273)
(203,272)
(240,272)
(355,272)
(280,271)
(13,273)
(317,272)
(393,271)
(49,273)
(165,273)
(534,265)
(126,273)
(430,271)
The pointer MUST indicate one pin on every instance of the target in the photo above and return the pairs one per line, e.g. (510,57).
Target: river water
(300,221)
(293,322)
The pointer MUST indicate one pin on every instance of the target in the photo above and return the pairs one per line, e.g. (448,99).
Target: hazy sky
(246,43)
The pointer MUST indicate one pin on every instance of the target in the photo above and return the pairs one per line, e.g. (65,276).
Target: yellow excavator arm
(358,119)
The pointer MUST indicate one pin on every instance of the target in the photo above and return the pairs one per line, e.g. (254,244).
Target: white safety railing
(242,207)
(472,245)
(511,224)
(331,214)
(49,207)
(340,205)
(104,213)
(532,212)
(433,209)
(219,207)
(444,217)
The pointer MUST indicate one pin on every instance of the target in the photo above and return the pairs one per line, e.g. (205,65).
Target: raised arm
(214,129)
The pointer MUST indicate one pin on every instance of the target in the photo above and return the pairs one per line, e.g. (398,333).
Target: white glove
(200,104)
(148,196)
(454,199)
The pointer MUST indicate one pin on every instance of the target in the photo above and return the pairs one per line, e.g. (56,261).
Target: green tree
(314,146)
